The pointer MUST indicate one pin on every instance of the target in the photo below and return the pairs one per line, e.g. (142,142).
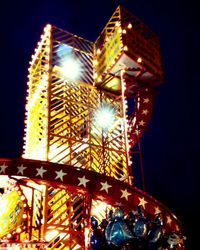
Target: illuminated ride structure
(76,163)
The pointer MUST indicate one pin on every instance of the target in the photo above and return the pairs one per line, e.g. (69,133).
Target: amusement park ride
(73,187)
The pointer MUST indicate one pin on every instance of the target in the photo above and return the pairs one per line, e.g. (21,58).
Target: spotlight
(68,64)
(71,68)
(105,117)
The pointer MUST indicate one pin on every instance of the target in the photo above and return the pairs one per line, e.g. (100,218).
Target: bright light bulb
(18,230)
(95,62)
(98,51)
(9,236)
(71,68)
(130,26)
(24,216)
(139,60)
(105,117)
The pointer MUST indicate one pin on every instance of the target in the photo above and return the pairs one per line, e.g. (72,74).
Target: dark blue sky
(171,144)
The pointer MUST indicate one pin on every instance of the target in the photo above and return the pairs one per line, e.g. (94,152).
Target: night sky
(170,146)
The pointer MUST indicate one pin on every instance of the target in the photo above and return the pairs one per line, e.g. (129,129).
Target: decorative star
(145,111)
(118,204)
(80,190)
(3,168)
(157,210)
(62,186)
(136,132)
(21,169)
(105,186)
(169,220)
(83,181)
(141,123)
(60,174)
(177,228)
(41,171)
(145,100)
(101,198)
(125,194)
(142,202)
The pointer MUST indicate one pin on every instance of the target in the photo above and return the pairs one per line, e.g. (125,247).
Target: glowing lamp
(95,62)
(98,51)
(9,236)
(139,60)
(18,230)
(130,26)
(105,117)
(71,68)
(48,27)
(22,198)
(24,216)
(120,30)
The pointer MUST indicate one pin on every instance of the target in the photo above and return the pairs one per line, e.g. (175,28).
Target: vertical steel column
(123,89)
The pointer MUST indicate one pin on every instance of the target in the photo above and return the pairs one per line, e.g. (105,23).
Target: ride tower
(76,162)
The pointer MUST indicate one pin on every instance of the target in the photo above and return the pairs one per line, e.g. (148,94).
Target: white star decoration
(83,181)
(40,171)
(136,132)
(169,220)
(142,202)
(145,100)
(3,168)
(177,228)
(145,111)
(141,123)
(60,174)
(105,186)
(118,204)
(101,198)
(21,169)
(157,210)
(125,194)
(62,186)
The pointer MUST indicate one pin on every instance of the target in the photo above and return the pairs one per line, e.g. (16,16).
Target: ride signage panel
(11,212)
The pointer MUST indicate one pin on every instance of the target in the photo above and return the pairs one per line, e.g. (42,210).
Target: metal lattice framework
(61,125)
(73,168)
